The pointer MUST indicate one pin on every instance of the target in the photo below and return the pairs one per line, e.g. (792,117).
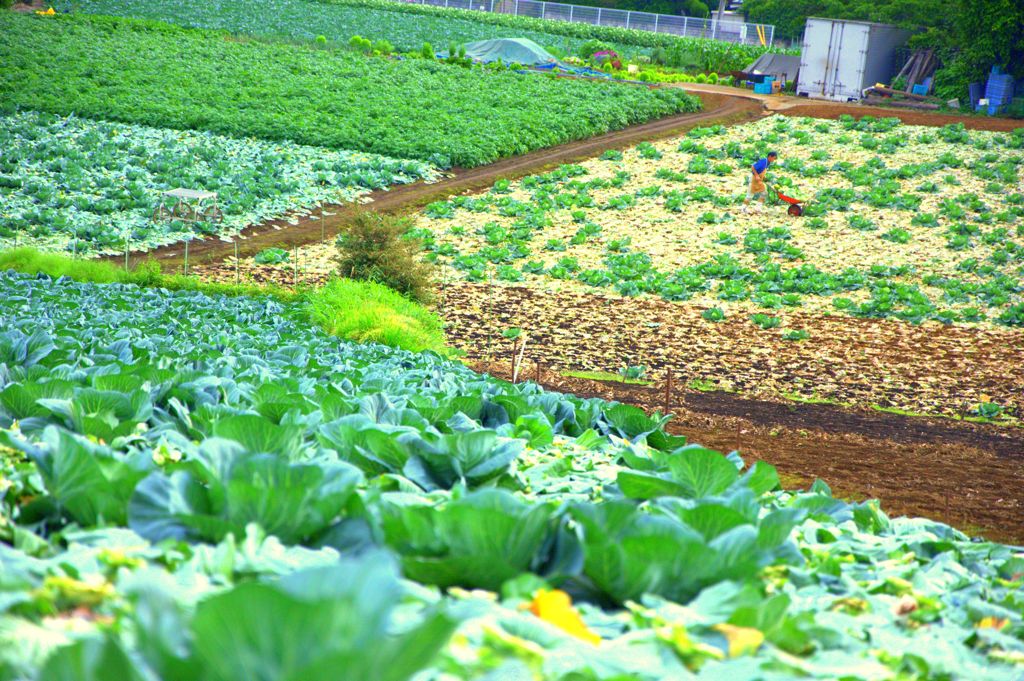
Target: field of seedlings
(300,457)
(901,222)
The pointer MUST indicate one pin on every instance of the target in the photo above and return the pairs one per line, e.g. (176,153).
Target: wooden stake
(519,361)
(323,227)
(538,373)
(295,268)
(186,258)
(238,273)
(668,390)
(515,342)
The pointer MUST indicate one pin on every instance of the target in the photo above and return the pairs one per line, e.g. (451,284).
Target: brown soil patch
(26,7)
(929,369)
(968,475)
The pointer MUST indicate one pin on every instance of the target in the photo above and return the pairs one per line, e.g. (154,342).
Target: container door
(833,80)
(814,58)
(850,72)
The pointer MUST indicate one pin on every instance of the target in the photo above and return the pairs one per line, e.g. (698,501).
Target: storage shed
(840,58)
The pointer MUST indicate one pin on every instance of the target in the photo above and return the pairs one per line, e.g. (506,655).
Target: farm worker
(757,189)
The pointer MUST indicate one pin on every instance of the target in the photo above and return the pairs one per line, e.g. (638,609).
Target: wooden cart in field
(188,205)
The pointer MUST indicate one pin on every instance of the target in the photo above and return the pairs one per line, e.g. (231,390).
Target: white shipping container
(839,58)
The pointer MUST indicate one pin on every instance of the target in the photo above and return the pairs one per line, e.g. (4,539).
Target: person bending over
(757,189)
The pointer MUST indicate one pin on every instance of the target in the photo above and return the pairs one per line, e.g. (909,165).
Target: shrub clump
(379,248)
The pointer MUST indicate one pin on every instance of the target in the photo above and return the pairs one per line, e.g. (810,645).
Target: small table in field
(188,205)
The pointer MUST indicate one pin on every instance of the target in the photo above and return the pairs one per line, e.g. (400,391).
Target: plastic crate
(920,89)
(763,89)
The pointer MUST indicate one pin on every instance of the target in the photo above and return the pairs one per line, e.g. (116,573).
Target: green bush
(427,51)
(383,47)
(361,44)
(376,247)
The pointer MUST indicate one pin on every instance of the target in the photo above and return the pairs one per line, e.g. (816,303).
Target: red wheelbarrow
(795,209)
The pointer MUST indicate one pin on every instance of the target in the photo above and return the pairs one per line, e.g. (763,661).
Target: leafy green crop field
(133,71)
(77,185)
(905,222)
(336,21)
(205,488)
(408,26)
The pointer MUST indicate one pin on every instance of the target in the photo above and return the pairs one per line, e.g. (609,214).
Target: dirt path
(960,473)
(403,198)
(789,105)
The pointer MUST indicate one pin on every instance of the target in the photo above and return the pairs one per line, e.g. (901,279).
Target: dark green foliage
(91,66)
(377,247)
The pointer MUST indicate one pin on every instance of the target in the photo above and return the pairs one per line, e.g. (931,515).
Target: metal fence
(731,31)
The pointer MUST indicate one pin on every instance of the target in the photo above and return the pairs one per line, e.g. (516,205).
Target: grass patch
(354,310)
(366,311)
(812,399)
(605,376)
(702,384)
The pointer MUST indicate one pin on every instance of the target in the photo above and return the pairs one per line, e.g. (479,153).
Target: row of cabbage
(87,187)
(155,74)
(204,488)
(898,221)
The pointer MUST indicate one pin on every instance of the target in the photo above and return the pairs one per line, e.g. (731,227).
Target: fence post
(598,16)
(542,6)
(771,36)
(570,11)
(627,18)
(656,22)
(515,10)
(685,21)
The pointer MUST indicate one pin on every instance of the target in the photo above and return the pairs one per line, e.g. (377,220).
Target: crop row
(927,230)
(73,184)
(132,71)
(204,488)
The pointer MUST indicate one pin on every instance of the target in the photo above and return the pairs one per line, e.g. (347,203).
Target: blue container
(994,109)
(920,89)
(763,88)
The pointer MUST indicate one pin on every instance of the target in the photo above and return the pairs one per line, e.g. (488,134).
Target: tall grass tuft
(371,312)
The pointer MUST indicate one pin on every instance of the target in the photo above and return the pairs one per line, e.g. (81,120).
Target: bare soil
(925,369)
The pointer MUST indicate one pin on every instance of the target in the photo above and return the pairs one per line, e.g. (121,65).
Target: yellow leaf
(742,640)
(990,622)
(555,607)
